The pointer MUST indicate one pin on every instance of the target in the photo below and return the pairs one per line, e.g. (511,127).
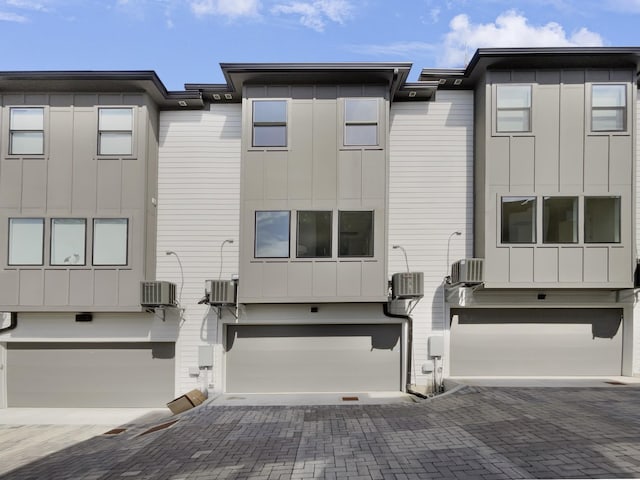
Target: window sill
(116,157)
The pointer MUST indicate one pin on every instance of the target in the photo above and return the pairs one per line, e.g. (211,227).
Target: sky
(184,41)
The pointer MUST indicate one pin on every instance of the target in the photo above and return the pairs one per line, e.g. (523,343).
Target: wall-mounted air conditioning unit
(468,271)
(157,294)
(220,292)
(407,285)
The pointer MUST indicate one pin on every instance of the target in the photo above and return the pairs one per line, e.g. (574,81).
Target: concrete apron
(551,382)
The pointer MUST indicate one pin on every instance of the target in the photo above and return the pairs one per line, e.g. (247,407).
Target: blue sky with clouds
(185,40)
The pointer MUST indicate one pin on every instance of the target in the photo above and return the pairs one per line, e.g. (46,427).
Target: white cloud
(229,8)
(397,49)
(316,13)
(26,5)
(510,29)
(632,6)
(12,17)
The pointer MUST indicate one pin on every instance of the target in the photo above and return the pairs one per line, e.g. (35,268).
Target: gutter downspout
(13,324)
(385,308)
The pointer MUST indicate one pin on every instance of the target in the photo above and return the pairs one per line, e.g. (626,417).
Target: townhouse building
(294,229)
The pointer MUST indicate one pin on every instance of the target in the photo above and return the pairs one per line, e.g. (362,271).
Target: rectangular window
(110,241)
(269,123)
(608,108)
(360,121)
(272,234)
(560,220)
(355,237)
(518,220)
(314,235)
(513,112)
(26,135)
(68,241)
(115,131)
(26,238)
(602,220)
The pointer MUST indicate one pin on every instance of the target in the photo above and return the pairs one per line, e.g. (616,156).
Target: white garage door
(90,374)
(313,358)
(536,342)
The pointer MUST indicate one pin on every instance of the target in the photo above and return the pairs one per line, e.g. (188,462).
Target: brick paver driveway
(476,432)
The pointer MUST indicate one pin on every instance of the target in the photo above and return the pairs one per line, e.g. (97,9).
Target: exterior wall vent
(407,285)
(468,271)
(220,292)
(157,294)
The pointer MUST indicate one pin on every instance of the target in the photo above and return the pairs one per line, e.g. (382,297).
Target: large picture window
(68,241)
(115,131)
(518,220)
(26,135)
(608,108)
(26,238)
(360,121)
(269,123)
(602,219)
(560,220)
(314,234)
(272,234)
(513,108)
(355,234)
(110,241)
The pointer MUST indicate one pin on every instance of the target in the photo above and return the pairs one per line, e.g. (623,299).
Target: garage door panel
(90,375)
(543,342)
(319,358)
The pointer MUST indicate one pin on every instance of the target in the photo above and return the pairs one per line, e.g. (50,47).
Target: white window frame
(105,131)
(534,226)
(14,131)
(274,123)
(257,234)
(69,260)
(611,108)
(29,238)
(527,109)
(96,239)
(361,122)
(617,218)
(372,233)
(303,255)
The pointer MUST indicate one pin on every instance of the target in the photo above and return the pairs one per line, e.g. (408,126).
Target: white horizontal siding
(636,312)
(198,208)
(430,196)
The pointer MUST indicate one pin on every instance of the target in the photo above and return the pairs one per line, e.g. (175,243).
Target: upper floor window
(360,121)
(110,241)
(26,239)
(314,234)
(608,108)
(115,131)
(518,220)
(355,234)
(602,219)
(513,108)
(272,234)
(26,135)
(68,241)
(560,220)
(269,123)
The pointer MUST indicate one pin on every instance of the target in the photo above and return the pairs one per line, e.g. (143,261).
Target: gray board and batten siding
(70,179)
(560,156)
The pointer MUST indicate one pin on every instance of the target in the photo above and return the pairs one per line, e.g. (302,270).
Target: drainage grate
(162,426)
(615,383)
(350,399)
(115,431)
